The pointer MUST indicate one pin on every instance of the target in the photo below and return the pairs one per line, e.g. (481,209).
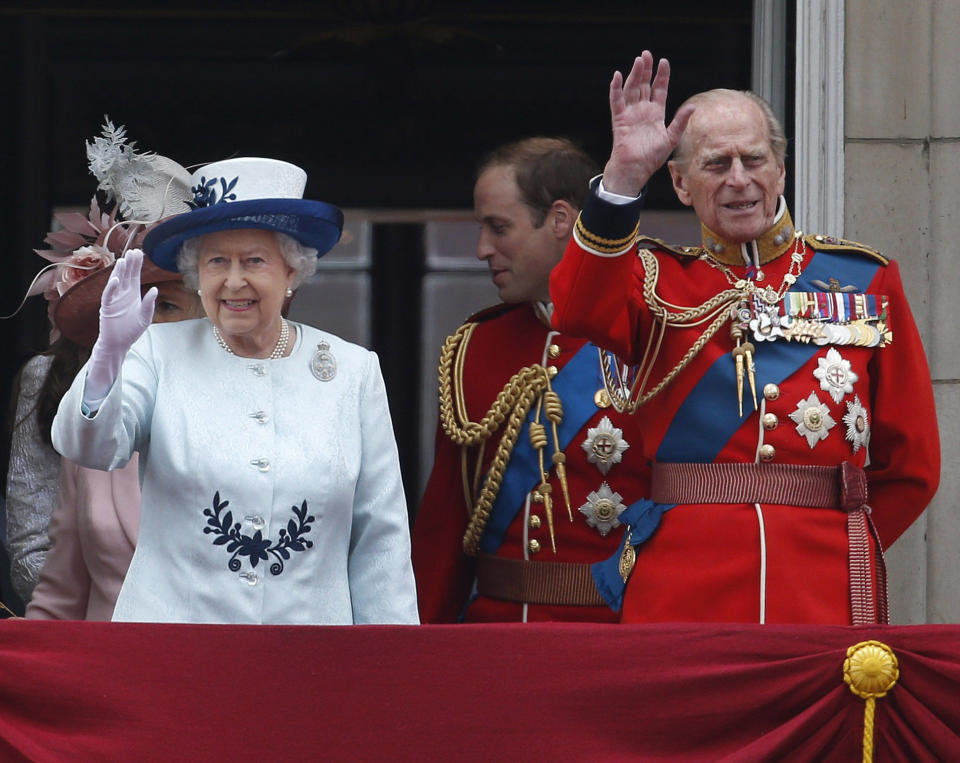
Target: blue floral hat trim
(313,223)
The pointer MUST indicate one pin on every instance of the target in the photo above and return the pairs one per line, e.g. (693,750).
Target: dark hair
(68,357)
(547,169)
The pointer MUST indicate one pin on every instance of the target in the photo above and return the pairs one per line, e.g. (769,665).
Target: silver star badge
(835,375)
(813,420)
(857,423)
(605,445)
(602,509)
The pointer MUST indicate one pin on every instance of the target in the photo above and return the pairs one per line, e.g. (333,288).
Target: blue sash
(643,517)
(576,384)
(710,409)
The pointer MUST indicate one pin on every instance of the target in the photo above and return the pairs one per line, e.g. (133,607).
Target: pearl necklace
(278,351)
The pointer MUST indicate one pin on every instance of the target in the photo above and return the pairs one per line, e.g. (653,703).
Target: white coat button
(252,578)
(258,369)
(260,417)
(263,464)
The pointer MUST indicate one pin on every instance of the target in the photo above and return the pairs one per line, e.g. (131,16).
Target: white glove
(124,316)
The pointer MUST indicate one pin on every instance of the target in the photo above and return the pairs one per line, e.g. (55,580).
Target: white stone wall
(902,193)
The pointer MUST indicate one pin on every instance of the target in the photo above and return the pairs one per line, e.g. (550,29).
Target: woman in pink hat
(271,488)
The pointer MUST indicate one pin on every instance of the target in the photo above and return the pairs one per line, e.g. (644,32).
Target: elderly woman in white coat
(270,484)
(93,527)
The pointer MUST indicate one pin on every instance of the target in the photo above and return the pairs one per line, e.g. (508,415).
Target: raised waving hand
(642,141)
(124,316)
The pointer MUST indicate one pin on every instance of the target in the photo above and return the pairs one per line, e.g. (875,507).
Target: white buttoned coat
(268,495)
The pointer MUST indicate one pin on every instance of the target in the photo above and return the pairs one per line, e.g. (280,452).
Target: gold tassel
(870,670)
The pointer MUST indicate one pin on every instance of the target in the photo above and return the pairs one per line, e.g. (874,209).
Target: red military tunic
(818,405)
(505,339)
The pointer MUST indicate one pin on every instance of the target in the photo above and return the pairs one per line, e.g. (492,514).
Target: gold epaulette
(649,242)
(819,242)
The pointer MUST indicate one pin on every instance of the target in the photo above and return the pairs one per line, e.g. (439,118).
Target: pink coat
(93,533)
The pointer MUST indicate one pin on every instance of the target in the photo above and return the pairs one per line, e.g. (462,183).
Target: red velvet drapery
(110,691)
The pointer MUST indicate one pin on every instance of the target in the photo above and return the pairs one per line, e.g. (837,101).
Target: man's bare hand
(642,141)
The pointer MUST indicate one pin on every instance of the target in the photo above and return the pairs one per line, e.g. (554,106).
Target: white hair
(303,259)
(775,133)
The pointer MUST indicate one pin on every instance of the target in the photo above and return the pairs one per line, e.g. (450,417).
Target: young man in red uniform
(783,393)
(535,474)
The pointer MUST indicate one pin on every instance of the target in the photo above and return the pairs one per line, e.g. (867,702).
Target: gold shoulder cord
(513,403)
(715,310)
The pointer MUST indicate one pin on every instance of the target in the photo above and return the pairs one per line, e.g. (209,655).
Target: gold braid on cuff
(605,245)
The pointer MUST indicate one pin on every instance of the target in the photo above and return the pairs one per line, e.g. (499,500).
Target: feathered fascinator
(146,187)
(142,189)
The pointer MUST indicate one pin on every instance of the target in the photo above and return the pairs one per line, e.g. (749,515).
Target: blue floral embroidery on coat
(256,547)
(205,194)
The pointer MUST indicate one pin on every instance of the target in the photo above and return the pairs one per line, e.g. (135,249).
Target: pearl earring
(199,293)
(289,292)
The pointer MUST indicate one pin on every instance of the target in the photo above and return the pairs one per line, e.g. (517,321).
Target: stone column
(901,131)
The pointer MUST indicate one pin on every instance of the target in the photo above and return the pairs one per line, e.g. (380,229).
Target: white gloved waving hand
(124,316)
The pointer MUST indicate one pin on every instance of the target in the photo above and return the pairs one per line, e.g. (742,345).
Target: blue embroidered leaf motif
(225,195)
(256,547)
(205,194)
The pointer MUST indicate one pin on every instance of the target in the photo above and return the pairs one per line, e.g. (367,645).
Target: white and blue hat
(249,192)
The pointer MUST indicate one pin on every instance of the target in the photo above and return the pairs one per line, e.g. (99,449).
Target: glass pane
(452,244)
(353,250)
(672,226)
(335,302)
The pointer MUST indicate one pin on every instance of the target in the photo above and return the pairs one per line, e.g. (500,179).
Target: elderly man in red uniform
(535,475)
(784,395)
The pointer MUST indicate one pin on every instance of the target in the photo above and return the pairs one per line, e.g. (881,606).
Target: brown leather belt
(842,487)
(565,584)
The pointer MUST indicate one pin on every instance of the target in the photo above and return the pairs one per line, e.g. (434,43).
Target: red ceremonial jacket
(507,338)
(817,405)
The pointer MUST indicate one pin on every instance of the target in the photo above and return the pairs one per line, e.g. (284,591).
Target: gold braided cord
(553,409)
(464,476)
(477,473)
(869,709)
(538,436)
(871,669)
(605,245)
(491,485)
(538,439)
(512,405)
(715,310)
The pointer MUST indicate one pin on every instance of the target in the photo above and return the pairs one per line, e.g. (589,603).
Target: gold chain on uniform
(716,310)
(665,315)
(748,287)
(513,403)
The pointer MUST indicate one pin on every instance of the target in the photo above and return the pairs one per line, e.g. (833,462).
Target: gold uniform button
(601,398)
(554,351)
(770,421)
(771,391)
(534,521)
(552,371)
(534,546)
(767,452)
